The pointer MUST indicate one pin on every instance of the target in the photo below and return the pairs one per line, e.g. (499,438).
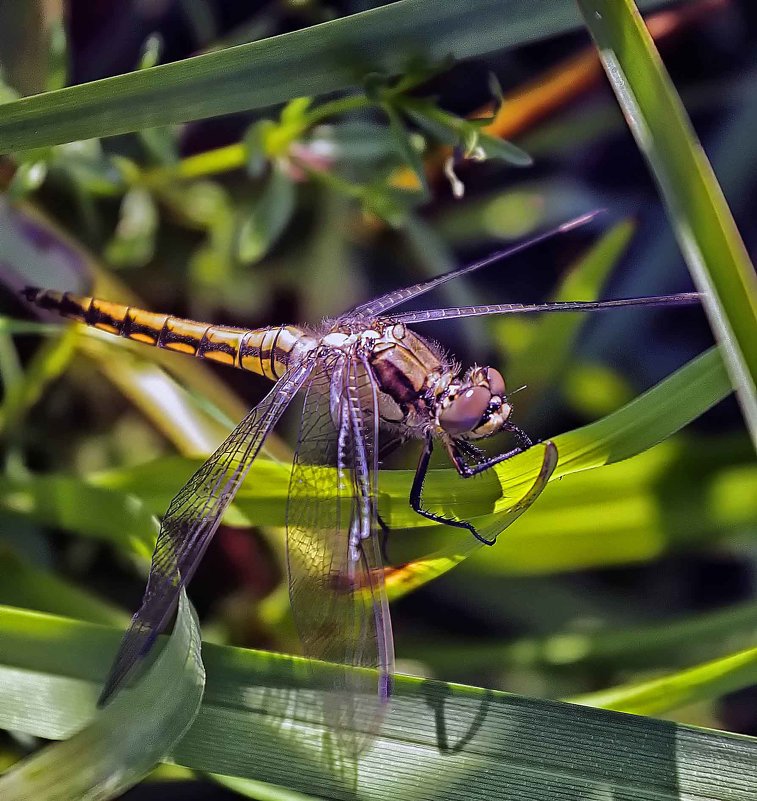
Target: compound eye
(496,382)
(465,411)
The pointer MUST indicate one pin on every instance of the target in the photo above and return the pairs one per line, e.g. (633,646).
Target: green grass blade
(69,503)
(634,428)
(665,645)
(700,216)
(324,58)
(49,362)
(259,720)
(699,683)
(22,584)
(119,744)
(116,506)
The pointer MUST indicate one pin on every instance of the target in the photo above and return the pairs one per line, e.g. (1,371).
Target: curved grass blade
(439,740)
(324,58)
(632,429)
(699,214)
(128,496)
(120,744)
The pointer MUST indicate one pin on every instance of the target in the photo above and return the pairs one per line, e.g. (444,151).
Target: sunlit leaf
(701,682)
(260,719)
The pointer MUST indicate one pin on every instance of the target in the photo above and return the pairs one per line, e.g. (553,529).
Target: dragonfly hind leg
(465,471)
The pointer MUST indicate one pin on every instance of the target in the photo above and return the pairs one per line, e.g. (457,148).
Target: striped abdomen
(266,351)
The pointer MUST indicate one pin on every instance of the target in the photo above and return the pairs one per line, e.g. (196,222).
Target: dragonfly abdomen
(265,351)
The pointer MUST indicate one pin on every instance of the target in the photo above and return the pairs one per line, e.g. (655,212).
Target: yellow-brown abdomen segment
(265,351)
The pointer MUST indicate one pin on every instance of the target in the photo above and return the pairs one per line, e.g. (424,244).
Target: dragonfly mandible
(360,372)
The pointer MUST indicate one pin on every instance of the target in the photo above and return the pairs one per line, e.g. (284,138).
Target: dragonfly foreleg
(416,497)
(457,449)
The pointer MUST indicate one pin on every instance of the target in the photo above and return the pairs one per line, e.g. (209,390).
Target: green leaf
(151,52)
(106,506)
(133,244)
(324,58)
(69,503)
(29,176)
(269,217)
(403,140)
(706,232)
(443,127)
(489,500)
(700,683)
(52,359)
(23,585)
(488,503)
(261,718)
(119,744)
(667,644)
(494,148)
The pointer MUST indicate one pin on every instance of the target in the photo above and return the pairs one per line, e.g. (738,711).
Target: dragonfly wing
(335,576)
(191,521)
(381,305)
(456,312)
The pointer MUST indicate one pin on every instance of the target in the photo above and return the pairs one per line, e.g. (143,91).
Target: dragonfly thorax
(419,388)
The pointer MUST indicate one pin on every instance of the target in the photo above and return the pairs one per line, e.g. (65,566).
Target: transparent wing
(381,305)
(191,521)
(428,315)
(335,576)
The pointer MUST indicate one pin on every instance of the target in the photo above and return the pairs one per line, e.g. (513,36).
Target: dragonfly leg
(467,471)
(416,497)
(384,542)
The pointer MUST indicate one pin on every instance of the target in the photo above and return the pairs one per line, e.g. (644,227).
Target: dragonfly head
(474,406)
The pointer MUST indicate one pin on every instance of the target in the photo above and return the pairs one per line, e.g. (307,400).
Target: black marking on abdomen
(169,337)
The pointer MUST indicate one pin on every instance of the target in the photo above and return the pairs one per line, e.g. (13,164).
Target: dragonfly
(362,372)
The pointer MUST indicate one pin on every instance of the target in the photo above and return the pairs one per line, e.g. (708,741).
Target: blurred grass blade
(639,523)
(43,255)
(24,585)
(674,643)
(122,742)
(648,419)
(701,219)
(259,720)
(261,791)
(66,502)
(48,363)
(700,683)
(268,218)
(324,58)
